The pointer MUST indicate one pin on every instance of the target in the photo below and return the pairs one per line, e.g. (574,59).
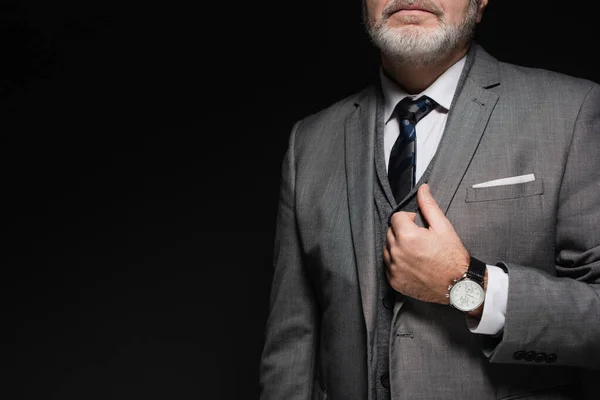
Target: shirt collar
(441,91)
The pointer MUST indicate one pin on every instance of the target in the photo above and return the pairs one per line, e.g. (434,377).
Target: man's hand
(422,262)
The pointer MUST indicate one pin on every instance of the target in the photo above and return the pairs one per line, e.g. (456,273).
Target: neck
(416,79)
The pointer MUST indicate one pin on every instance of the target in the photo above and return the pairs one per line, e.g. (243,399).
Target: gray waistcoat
(385,205)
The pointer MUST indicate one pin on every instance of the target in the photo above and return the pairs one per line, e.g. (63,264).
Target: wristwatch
(466,293)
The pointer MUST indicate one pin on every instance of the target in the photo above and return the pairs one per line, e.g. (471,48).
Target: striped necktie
(401,167)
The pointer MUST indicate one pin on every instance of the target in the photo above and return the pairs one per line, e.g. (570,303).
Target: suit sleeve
(556,319)
(289,353)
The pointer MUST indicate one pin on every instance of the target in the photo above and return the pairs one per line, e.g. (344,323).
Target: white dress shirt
(429,133)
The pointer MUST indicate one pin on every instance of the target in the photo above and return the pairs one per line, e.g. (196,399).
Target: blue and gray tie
(401,167)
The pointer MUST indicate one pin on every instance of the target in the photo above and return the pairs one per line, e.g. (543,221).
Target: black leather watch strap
(476,270)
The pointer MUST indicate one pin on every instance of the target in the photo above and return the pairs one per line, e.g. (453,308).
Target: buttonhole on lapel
(405,335)
(474,99)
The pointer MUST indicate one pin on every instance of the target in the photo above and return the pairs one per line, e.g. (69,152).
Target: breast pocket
(505,192)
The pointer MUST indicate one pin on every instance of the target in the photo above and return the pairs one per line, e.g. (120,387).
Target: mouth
(412,9)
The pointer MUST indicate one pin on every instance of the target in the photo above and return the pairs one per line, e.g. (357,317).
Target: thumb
(431,211)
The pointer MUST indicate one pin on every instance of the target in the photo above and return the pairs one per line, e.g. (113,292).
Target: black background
(140,151)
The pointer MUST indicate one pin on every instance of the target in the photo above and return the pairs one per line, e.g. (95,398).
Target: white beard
(419,46)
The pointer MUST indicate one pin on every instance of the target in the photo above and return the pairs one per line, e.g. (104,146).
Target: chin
(413,45)
(420,44)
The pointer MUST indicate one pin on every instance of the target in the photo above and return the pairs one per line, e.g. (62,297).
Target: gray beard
(420,47)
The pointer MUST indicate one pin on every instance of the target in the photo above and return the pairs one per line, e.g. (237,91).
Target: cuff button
(530,356)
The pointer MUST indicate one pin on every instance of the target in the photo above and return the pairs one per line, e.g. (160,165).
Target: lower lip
(412,12)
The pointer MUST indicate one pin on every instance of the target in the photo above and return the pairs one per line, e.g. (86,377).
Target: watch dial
(466,295)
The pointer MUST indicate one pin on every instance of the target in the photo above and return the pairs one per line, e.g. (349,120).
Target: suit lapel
(359,152)
(468,118)
(460,141)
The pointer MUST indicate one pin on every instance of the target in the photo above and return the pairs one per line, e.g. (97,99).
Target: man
(438,234)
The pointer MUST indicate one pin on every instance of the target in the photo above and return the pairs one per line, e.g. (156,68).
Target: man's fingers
(403,220)
(431,211)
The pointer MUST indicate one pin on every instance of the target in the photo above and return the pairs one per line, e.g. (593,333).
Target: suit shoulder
(545,82)
(331,119)
(320,136)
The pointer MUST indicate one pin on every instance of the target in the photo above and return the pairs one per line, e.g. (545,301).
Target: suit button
(530,356)
(388,302)
(551,358)
(519,355)
(540,357)
(385,380)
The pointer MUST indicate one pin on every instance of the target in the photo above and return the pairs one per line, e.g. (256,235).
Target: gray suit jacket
(505,121)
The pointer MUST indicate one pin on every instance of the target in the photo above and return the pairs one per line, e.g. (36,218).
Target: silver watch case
(465,294)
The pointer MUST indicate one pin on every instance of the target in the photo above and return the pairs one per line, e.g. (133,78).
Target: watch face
(466,295)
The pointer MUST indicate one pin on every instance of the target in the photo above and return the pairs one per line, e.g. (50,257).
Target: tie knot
(414,110)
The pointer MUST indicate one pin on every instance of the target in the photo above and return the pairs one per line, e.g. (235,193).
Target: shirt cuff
(494,308)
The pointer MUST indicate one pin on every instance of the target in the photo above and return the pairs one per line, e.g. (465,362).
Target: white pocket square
(506,181)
